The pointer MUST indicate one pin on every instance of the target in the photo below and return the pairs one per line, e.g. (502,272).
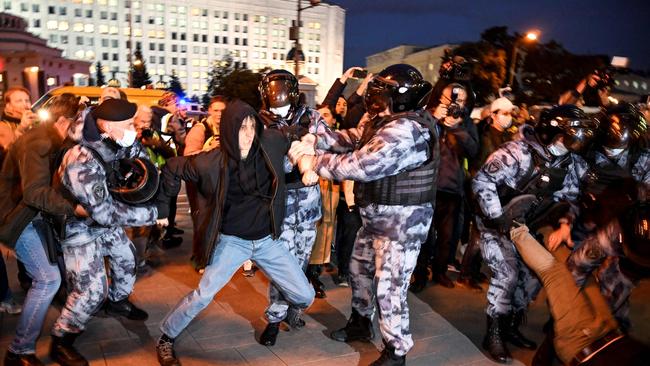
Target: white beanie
(501,104)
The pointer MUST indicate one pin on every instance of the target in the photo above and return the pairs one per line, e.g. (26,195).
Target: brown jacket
(26,182)
(9,132)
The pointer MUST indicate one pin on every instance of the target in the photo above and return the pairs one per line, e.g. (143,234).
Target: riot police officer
(543,165)
(393,157)
(619,179)
(88,174)
(281,109)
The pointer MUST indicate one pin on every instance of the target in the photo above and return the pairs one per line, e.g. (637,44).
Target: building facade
(426,59)
(187,37)
(27,61)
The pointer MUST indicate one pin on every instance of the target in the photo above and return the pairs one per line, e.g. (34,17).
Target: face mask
(281,111)
(612,152)
(504,121)
(128,139)
(558,149)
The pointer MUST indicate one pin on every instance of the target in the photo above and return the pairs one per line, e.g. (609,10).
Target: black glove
(502,224)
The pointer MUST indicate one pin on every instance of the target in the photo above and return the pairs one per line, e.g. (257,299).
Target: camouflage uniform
(599,252)
(303,212)
(387,246)
(512,286)
(88,241)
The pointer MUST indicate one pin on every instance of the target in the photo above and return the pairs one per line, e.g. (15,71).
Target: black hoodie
(246,210)
(211,172)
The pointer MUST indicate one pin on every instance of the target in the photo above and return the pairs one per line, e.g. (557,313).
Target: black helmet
(279,88)
(400,88)
(576,128)
(136,181)
(624,123)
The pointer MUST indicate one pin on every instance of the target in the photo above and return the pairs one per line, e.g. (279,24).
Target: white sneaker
(10,307)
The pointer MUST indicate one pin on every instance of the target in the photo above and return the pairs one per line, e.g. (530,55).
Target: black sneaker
(175,231)
(165,352)
(343,280)
(169,242)
(14,359)
(126,309)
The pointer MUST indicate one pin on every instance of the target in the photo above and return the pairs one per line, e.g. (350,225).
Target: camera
(454,109)
(359,74)
(455,68)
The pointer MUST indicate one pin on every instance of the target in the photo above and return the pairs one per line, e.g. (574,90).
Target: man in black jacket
(244,180)
(26,197)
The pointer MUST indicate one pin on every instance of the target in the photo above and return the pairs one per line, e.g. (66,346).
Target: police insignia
(494,166)
(98,191)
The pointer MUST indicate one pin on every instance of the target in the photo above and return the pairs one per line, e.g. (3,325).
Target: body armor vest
(413,187)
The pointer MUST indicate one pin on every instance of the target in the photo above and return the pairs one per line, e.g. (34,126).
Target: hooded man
(86,174)
(244,181)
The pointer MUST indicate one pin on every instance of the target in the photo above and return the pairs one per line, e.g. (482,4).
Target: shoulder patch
(494,166)
(98,191)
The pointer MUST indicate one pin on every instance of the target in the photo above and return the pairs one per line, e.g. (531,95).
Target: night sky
(615,28)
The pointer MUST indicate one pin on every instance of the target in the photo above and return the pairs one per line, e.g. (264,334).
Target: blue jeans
(230,253)
(46,280)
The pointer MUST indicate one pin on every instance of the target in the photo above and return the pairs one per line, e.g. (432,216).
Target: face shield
(378,96)
(278,93)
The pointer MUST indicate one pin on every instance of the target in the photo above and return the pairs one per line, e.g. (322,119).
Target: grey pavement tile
(230,340)
(228,357)
(428,325)
(256,354)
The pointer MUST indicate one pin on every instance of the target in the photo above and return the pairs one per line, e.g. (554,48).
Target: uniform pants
(384,256)
(86,276)
(512,285)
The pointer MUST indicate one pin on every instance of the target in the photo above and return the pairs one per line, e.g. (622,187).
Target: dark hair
(434,100)
(324,105)
(66,105)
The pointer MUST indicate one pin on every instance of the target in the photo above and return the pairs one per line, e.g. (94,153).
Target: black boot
(358,328)
(493,341)
(64,353)
(126,309)
(313,272)
(14,359)
(389,358)
(165,351)
(512,333)
(420,277)
(270,334)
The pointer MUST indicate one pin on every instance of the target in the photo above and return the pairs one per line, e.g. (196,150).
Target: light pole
(531,36)
(294,35)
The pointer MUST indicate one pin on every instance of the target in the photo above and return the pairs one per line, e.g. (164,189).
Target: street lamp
(531,36)
(294,35)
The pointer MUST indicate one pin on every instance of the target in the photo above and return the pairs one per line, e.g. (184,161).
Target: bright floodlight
(531,36)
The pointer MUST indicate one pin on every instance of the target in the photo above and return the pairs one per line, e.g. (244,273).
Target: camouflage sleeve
(571,186)
(85,178)
(641,169)
(288,167)
(340,141)
(593,251)
(400,145)
(504,166)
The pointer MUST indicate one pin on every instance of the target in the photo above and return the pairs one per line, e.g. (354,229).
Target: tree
(139,75)
(175,85)
(99,74)
(242,84)
(219,71)
(194,99)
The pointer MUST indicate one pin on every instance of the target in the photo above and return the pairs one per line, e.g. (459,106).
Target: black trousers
(348,224)
(442,235)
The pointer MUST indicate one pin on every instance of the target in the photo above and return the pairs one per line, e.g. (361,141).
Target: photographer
(593,90)
(27,198)
(349,116)
(458,141)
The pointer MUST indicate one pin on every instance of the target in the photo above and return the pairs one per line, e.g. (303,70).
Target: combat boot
(64,353)
(493,341)
(389,358)
(14,359)
(270,334)
(358,328)
(512,333)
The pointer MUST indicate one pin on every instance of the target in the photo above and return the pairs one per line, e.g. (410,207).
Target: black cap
(115,110)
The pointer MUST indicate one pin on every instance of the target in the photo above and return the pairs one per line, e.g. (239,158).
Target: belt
(596,346)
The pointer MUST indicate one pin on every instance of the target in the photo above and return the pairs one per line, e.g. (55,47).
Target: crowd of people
(394,185)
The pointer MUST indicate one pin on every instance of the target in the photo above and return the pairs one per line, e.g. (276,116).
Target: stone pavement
(226,332)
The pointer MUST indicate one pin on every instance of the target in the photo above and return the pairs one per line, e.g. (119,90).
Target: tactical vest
(413,187)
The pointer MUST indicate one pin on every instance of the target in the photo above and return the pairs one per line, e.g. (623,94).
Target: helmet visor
(377,97)
(278,93)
